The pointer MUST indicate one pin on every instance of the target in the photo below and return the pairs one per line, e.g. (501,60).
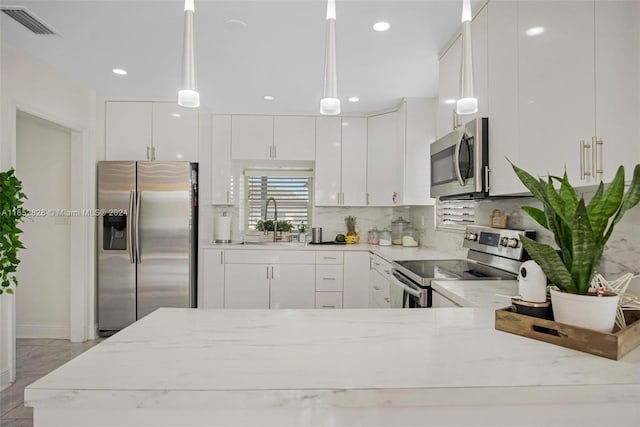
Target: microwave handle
(456,161)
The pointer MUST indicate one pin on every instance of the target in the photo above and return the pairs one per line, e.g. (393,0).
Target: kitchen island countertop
(368,367)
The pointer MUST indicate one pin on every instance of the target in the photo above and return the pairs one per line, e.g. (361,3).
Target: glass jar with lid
(384,237)
(410,237)
(397,228)
(372,237)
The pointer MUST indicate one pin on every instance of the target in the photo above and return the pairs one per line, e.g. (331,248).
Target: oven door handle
(396,280)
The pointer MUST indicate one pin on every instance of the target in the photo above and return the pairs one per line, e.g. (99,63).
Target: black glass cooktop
(452,269)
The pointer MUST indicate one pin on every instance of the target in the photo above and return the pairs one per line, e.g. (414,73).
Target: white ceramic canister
(532,282)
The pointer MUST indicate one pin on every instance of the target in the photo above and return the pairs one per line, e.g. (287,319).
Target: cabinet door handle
(272,272)
(328,306)
(597,156)
(228,198)
(329,278)
(148,158)
(153,152)
(275,151)
(267,272)
(221,257)
(583,151)
(367,199)
(329,257)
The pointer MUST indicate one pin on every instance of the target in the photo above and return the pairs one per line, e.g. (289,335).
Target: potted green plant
(11,200)
(580,231)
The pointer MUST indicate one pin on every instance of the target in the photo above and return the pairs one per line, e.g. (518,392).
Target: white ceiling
(280,53)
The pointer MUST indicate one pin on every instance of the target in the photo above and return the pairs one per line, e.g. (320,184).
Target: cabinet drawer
(252,256)
(329,278)
(329,257)
(328,299)
(381,297)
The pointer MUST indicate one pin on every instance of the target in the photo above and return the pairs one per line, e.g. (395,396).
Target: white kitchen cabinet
(213,281)
(246,285)
(175,132)
(221,173)
(292,286)
(503,89)
(269,279)
(129,128)
(379,282)
(356,280)
(383,154)
(329,278)
(294,137)
(251,137)
(330,257)
(150,131)
(449,76)
(341,162)
(329,300)
(328,169)
(617,71)
(555,85)
(418,122)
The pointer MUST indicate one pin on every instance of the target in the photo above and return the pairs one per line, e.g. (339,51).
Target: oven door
(404,293)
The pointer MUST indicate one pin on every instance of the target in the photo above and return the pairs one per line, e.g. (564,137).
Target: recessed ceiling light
(119,71)
(381,26)
(175,115)
(535,31)
(268,98)
(449,101)
(354,99)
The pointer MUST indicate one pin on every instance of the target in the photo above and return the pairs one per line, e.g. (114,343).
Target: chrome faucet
(275,216)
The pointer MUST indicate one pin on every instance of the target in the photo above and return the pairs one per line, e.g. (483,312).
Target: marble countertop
(492,294)
(389,253)
(184,358)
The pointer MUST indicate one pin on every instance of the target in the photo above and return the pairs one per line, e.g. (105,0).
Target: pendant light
(330,104)
(468,103)
(188,96)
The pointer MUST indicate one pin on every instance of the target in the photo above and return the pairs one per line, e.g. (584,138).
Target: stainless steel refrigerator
(147,239)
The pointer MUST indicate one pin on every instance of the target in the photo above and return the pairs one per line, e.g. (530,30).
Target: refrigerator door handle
(137,226)
(130,213)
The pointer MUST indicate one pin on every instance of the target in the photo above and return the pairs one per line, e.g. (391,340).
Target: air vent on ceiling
(28,19)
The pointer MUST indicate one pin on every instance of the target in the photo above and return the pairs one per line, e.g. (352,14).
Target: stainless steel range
(494,254)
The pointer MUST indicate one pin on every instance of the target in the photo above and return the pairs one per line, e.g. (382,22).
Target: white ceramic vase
(586,311)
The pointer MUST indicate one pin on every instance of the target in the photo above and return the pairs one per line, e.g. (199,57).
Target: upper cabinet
(449,76)
(384,155)
(341,161)
(140,130)
(417,122)
(273,138)
(221,172)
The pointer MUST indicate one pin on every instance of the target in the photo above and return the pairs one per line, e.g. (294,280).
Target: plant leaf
(584,249)
(608,204)
(631,198)
(568,194)
(532,184)
(550,262)
(537,214)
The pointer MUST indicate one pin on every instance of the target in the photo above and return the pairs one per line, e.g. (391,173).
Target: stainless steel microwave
(460,162)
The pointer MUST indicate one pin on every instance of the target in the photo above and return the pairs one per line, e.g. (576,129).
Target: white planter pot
(586,311)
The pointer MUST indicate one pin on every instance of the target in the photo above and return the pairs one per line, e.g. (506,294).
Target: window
(290,188)
(455,214)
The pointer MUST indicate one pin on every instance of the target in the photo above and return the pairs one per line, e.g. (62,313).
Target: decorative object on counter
(532,282)
(352,235)
(397,229)
(410,237)
(372,236)
(330,104)
(316,235)
(497,219)
(384,237)
(340,238)
(302,229)
(188,96)
(581,231)
(541,310)
(11,201)
(223,228)
(612,345)
(619,286)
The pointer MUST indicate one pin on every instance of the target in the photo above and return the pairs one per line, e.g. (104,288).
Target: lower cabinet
(246,285)
(213,279)
(329,300)
(356,280)
(292,286)
(379,282)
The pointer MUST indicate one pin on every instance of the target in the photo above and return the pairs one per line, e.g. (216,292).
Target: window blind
(290,189)
(455,213)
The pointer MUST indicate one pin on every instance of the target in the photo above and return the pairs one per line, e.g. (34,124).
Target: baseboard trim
(5,378)
(42,331)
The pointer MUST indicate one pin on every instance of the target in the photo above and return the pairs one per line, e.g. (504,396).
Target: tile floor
(34,359)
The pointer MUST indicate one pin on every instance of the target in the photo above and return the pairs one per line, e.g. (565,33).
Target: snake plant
(580,229)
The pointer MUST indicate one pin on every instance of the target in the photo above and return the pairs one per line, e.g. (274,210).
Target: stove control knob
(504,241)
(473,237)
(513,243)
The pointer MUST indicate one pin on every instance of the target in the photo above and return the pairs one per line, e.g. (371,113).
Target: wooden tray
(611,345)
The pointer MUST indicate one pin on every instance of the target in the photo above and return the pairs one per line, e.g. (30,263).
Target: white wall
(32,86)
(43,163)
